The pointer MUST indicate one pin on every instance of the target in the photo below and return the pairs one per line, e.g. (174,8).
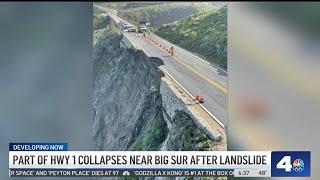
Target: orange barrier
(160,45)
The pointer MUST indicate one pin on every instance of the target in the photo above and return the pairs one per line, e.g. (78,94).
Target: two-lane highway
(220,75)
(196,75)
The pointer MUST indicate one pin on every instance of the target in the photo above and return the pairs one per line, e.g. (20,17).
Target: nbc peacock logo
(298,165)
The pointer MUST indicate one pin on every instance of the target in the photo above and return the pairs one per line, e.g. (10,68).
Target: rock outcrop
(133,109)
(126,92)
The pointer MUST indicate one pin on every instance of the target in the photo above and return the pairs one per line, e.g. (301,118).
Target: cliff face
(128,104)
(126,93)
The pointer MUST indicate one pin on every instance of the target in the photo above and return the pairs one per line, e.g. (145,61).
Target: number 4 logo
(291,164)
(285,163)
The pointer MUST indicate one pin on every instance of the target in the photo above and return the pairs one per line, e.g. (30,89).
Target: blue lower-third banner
(159,163)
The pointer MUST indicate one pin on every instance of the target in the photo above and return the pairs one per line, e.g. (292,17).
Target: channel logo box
(291,164)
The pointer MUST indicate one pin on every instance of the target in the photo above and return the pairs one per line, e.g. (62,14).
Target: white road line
(190,53)
(166,72)
(215,118)
(139,46)
(181,49)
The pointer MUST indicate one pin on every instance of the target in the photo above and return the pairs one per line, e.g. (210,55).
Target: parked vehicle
(132,29)
(143,29)
(124,26)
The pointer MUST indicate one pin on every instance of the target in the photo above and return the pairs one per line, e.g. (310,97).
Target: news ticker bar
(120,173)
(29,160)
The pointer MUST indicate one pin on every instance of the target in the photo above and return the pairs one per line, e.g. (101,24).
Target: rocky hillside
(204,33)
(127,102)
(126,98)
(99,21)
(160,14)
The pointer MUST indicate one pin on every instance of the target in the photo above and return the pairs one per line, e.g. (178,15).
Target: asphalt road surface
(196,75)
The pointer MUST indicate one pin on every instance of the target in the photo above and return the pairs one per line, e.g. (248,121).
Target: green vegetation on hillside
(158,14)
(191,138)
(154,136)
(204,33)
(99,22)
(97,34)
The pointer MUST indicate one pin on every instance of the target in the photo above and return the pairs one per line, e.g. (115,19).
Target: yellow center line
(213,83)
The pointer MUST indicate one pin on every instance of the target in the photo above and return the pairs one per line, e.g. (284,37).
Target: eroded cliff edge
(128,102)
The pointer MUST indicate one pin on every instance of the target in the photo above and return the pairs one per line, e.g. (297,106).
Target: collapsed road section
(140,106)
